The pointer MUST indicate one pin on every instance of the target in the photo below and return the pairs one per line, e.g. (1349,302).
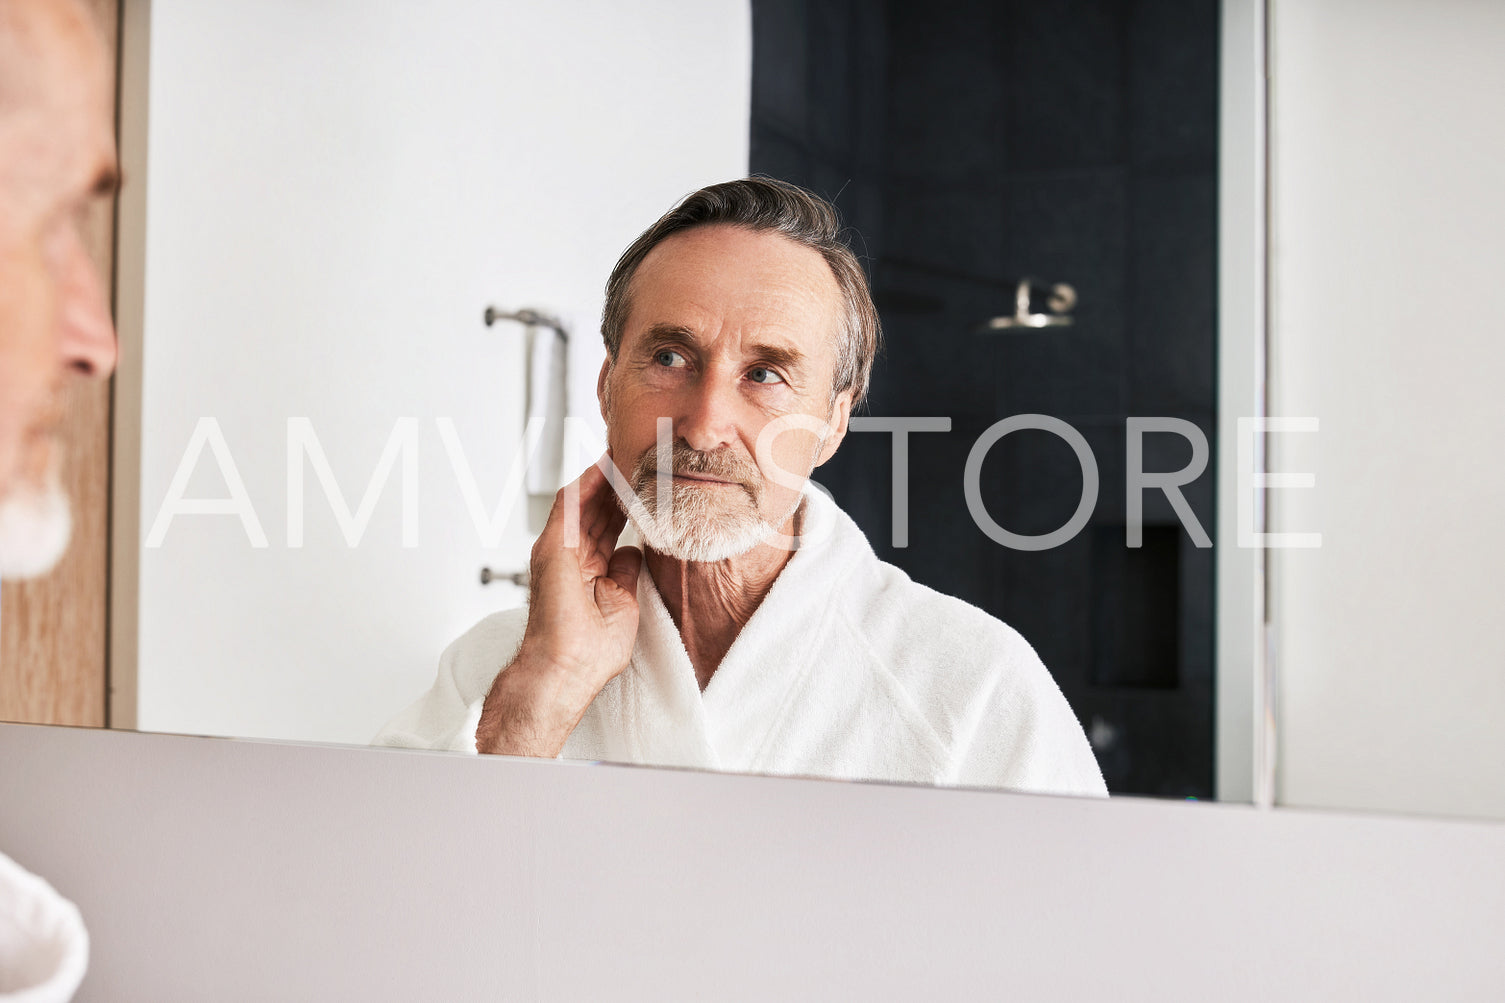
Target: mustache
(723,465)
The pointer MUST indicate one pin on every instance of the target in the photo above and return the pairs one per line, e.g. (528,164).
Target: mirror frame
(1245,762)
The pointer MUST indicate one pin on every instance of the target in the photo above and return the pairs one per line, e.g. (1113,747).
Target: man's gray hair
(764,205)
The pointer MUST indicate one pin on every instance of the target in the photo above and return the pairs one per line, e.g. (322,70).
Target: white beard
(706,524)
(700,529)
(34,527)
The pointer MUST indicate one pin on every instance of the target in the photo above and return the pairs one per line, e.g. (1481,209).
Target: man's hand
(582,622)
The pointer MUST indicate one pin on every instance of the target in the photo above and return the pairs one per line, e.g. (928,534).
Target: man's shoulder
(943,650)
(474,658)
(980,686)
(899,616)
(948,656)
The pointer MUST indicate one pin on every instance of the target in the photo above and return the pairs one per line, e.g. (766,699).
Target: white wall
(1389,225)
(334,193)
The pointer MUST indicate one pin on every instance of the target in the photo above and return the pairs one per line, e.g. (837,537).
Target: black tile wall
(1173,85)
(781,96)
(950,231)
(1069,226)
(831,77)
(1172,292)
(776,155)
(970,143)
(1065,63)
(947,112)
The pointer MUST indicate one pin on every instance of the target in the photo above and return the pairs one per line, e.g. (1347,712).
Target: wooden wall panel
(53,668)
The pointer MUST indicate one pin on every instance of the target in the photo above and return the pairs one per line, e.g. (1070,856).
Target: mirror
(335,196)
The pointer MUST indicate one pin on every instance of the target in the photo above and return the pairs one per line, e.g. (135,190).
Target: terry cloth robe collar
(847,669)
(654,712)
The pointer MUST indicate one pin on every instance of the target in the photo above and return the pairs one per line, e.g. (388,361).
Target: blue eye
(761,374)
(669,359)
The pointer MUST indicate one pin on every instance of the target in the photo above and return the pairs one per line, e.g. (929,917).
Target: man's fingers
(577,494)
(586,519)
(600,506)
(603,519)
(624,568)
(616,522)
(595,517)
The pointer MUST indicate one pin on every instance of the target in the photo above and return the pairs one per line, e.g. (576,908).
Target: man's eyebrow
(667,334)
(779,355)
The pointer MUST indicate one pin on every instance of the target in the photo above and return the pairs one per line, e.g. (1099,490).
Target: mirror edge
(1245,739)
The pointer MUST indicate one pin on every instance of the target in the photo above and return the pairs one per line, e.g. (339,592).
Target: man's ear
(601,385)
(841,414)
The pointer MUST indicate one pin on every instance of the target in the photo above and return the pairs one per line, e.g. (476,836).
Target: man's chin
(703,542)
(34,527)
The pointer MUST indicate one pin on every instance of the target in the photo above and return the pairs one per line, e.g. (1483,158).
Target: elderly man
(57,153)
(756,630)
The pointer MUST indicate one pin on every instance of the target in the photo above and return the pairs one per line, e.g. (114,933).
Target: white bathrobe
(847,669)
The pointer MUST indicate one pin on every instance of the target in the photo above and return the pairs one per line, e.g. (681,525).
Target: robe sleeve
(445,718)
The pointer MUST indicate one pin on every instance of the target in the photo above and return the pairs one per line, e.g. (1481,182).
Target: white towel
(547,354)
(44,947)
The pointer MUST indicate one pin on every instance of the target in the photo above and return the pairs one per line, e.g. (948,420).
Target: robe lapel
(752,693)
(652,713)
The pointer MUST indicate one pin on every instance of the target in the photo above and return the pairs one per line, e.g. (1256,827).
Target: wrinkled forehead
(722,276)
(56,116)
(53,61)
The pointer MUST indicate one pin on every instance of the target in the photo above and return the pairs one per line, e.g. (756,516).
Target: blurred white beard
(34,528)
(706,522)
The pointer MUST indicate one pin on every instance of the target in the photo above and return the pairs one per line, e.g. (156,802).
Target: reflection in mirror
(974,145)
(335,198)
(334,444)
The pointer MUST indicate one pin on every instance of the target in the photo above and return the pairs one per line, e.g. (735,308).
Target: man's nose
(709,418)
(88,332)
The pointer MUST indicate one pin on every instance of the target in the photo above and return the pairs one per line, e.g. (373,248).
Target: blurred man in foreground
(57,154)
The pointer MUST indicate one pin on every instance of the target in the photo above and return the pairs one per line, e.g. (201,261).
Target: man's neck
(711,602)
